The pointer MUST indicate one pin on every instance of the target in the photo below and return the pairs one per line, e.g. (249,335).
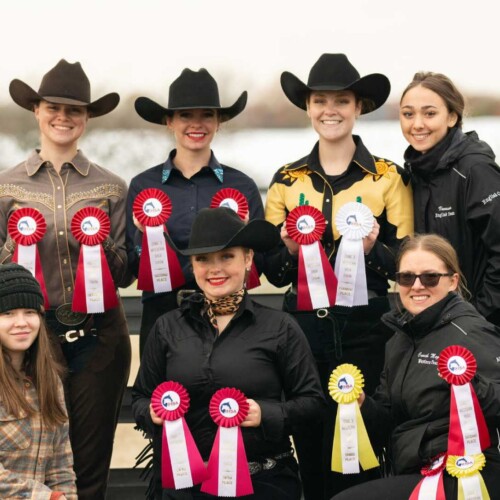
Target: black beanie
(19,289)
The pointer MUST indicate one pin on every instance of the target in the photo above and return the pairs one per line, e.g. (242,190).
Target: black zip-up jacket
(410,408)
(456,192)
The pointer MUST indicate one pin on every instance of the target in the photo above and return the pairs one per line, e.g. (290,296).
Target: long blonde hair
(45,372)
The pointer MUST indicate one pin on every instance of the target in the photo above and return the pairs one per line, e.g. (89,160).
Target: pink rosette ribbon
(228,472)
(431,486)
(181,462)
(27,227)
(468,434)
(95,291)
(317,283)
(159,267)
(235,200)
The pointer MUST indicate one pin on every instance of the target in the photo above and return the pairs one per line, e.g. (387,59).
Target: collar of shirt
(169,166)
(80,163)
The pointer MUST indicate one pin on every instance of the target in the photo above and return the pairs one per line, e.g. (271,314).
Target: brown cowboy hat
(191,90)
(65,83)
(218,228)
(335,72)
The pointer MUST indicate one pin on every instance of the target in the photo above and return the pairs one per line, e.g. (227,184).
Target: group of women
(208,334)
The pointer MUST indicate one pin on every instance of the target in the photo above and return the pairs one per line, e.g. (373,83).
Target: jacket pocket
(15,433)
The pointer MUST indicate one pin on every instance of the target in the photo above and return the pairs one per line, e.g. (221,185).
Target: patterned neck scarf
(225,305)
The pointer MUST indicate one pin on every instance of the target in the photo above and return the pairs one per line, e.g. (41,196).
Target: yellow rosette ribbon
(351,444)
(470,482)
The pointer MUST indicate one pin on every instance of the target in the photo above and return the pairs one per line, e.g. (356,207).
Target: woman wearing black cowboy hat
(57,180)
(338,170)
(190,176)
(228,340)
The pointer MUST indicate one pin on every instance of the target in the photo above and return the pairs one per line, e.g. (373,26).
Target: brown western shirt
(58,196)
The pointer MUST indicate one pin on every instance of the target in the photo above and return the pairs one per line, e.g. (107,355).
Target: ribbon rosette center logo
(170,401)
(26,226)
(345,383)
(457,365)
(229,203)
(352,220)
(229,408)
(306,224)
(152,207)
(464,463)
(90,226)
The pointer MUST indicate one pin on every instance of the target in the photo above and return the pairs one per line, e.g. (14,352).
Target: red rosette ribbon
(95,291)
(431,486)
(228,472)
(235,200)
(181,462)
(317,283)
(27,227)
(468,434)
(159,267)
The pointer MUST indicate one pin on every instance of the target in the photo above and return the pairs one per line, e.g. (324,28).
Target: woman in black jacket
(409,412)
(220,338)
(456,184)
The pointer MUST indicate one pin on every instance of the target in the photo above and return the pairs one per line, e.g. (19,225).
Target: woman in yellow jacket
(338,170)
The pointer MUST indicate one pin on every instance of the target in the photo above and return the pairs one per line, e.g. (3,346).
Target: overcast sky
(140,46)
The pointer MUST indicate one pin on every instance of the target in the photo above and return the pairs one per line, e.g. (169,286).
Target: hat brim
(153,112)
(375,87)
(259,235)
(24,96)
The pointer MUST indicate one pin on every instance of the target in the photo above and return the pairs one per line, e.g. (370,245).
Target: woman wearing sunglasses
(409,412)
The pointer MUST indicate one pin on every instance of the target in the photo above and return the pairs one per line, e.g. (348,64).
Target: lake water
(258,153)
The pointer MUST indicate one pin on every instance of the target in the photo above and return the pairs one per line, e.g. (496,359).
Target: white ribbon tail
(429,487)
(228,442)
(159,261)
(315,275)
(26,257)
(349,438)
(94,291)
(179,457)
(472,487)
(467,417)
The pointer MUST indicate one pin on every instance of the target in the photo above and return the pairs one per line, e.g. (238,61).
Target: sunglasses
(427,279)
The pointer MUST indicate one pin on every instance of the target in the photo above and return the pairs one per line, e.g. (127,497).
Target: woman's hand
(292,245)
(361,399)
(154,417)
(254,416)
(137,224)
(371,238)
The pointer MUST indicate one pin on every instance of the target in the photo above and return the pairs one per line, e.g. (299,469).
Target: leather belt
(267,463)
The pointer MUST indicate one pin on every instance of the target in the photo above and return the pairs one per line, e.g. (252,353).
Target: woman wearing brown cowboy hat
(221,338)
(57,181)
(190,176)
(339,169)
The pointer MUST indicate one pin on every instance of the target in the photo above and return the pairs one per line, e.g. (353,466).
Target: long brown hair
(41,366)
(442,249)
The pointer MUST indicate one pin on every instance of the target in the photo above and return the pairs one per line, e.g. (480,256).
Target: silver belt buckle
(269,464)
(67,317)
(73,335)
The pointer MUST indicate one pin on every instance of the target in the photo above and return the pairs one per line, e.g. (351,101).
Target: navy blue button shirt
(188,196)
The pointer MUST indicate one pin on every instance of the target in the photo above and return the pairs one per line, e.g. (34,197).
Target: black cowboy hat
(191,90)
(217,228)
(335,72)
(65,83)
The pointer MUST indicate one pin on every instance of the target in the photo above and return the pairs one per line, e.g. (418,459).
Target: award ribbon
(466,468)
(228,472)
(317,283)
(181,462)
(351,444)
(94,288)
(431,487)
(159,267)
(235,200)
(27,227)
(354,221)
(468,434)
